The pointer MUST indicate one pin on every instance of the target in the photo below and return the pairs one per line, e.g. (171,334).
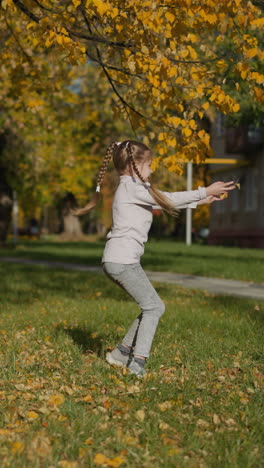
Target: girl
(134,201)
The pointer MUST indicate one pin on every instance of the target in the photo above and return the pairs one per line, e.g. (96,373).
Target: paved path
(212,285)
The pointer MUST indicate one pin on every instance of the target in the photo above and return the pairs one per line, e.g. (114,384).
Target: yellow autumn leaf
(68,464)
(100,459)
(30,25)
(34,102)
(32,415)
(250,53)
(114,12)
(116,462)
(140,415)
(187,132)
(89,441)
(76,3)
(236,107)
(257,23)
(59,39)
(102,7)
(175,121)
(17,447)
(165,405)
(56,400)
(170,17)
(192,52)
(223,196)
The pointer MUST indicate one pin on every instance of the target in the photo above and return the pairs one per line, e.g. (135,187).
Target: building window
(251,190)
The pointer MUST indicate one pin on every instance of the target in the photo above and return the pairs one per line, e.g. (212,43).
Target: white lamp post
(189,210)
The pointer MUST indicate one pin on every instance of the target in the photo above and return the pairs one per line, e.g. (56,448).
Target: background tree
(167,65)
(172,55)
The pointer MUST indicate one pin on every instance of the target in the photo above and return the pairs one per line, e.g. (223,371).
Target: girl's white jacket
(132,217)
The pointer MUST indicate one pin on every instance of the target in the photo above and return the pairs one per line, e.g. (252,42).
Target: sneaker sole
(139,375)
(113,361)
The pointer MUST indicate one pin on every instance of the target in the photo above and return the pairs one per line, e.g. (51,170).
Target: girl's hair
(129,152)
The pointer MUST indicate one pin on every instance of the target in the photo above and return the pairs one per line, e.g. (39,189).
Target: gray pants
(133,279)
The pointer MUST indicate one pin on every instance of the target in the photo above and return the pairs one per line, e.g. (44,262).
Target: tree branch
(26,11)
(98,39)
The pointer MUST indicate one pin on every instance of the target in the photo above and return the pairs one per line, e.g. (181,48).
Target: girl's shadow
(85,339)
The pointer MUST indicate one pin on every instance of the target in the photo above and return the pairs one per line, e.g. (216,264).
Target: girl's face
(145,167)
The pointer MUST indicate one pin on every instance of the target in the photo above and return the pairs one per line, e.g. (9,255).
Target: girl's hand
(219,188)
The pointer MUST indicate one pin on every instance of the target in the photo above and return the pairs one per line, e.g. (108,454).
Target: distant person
(132,213)
(33,227)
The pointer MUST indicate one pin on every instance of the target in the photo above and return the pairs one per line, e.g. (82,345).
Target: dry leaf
(140,415)
(32,415)
(68,464)
(100,459)
(41,446)
(202,423)
(163,426)
(116,462)
(88,398)
(216,419)
(17,447)
(56,400)
(89,441)
(230,422)
(165,405)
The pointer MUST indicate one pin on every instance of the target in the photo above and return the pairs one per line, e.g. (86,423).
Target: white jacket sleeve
(139,194)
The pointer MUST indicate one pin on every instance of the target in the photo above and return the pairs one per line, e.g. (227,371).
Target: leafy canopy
(169,63)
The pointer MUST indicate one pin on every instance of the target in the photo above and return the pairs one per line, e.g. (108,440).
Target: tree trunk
(6,204)
(72,229)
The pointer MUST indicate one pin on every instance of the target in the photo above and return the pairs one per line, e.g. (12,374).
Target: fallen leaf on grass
(84,451)
(89,441)
(88,398)
(31,415)
(41,446)
(165,405)
(230,422)
(5,432)
(216,419)
(68,464)
(202,423)
(56,400)
(140,415)
(163,426)
(101,459)
(17,447)
(174,451)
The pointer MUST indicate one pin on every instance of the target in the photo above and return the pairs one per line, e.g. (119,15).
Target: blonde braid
(100,177)
(133,162)
(108,156)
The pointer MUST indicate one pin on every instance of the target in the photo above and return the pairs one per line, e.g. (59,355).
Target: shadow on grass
(86,339)
(88,253)
(240,306)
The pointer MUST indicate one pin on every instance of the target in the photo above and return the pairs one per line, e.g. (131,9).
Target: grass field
(222,262)
(201,404)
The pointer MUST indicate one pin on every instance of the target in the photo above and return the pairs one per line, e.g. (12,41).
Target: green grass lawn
(201,404)
(222,262)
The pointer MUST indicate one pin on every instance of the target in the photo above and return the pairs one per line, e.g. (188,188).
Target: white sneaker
(135,368)
(116,358)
